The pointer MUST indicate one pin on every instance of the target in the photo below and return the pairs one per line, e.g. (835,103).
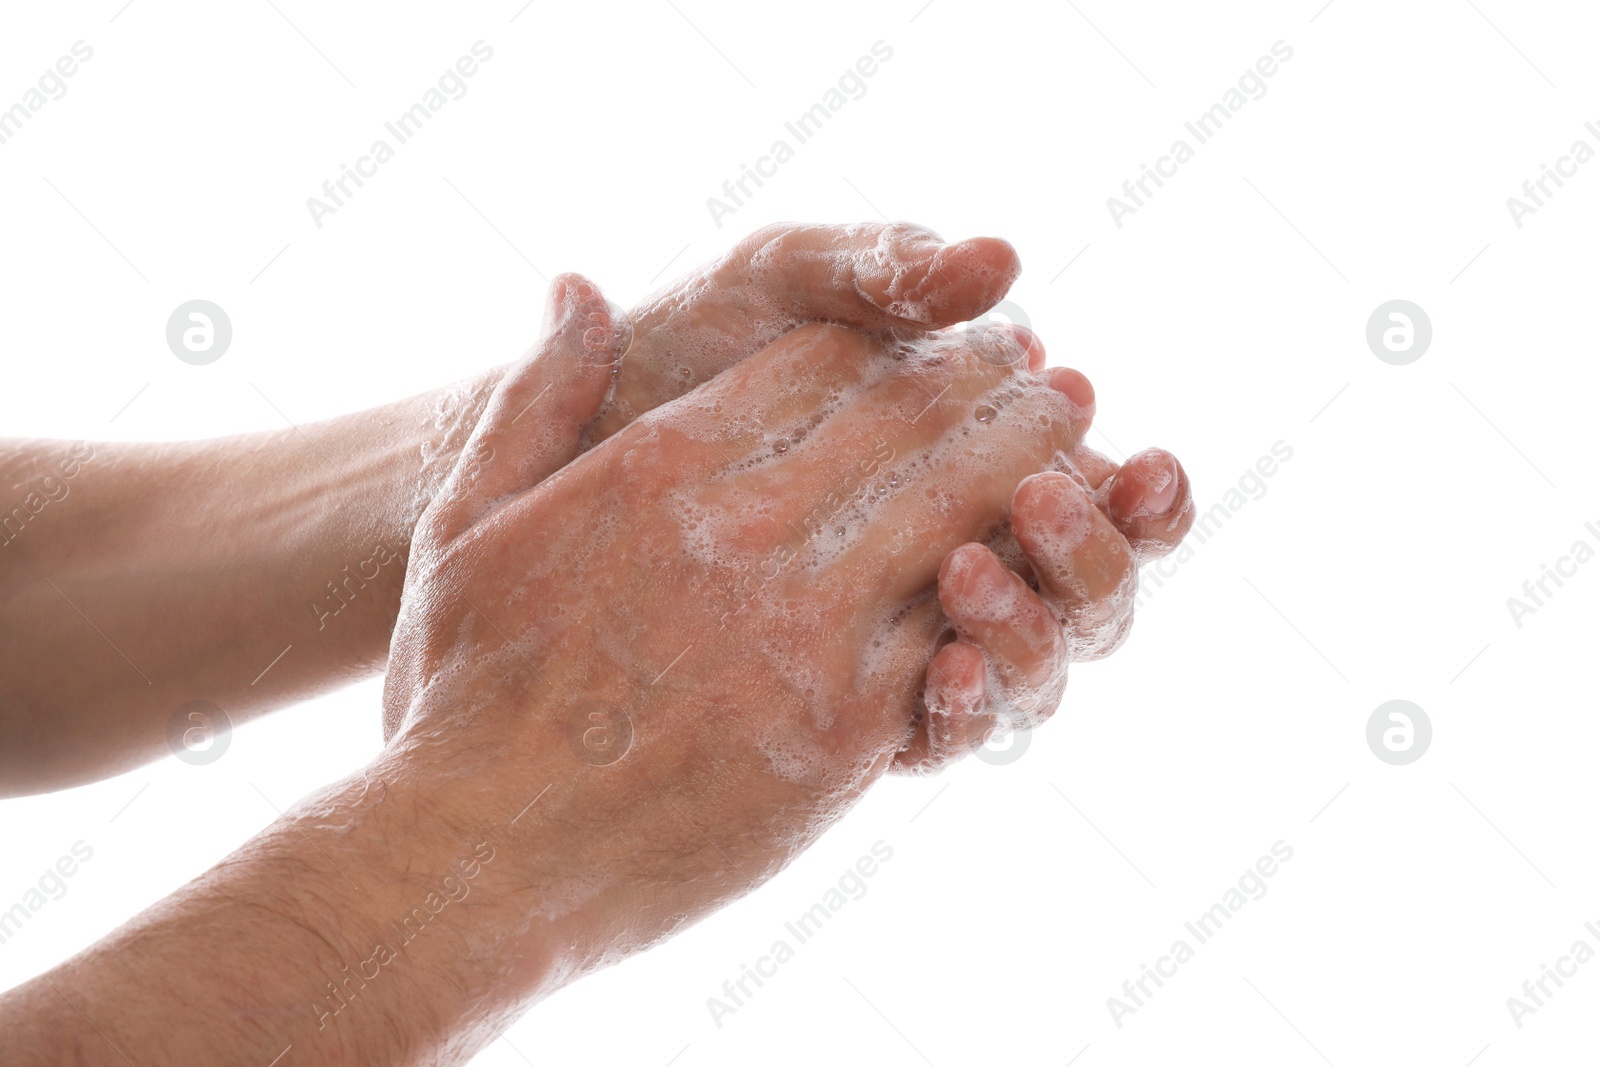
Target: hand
(869,275)
(410,911)
(1065,571)
(902,277)
(565,783)
(311,529)
(1081,568)
(702,640)
(873,276)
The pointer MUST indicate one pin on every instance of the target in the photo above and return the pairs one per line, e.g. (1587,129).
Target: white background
(1226,315)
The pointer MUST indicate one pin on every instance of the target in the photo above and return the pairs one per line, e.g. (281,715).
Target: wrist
(441,422)
(357,928)
(593,861)
(345,564)
(416,931)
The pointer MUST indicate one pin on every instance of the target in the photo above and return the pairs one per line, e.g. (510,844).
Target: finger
(1085,567)
(1075,385)
(765,405)
(872,276)
(828,383)
(1020,636)
(956,439)
(1092,468)
(1011,343)
(1150,500)
(531,426)
(953,722)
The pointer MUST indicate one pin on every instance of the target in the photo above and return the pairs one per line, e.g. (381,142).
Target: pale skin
(717,799)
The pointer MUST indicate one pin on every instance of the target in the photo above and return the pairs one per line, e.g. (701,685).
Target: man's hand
(869,275)
(700,642)
(281,580)
(311,528)
(567,784)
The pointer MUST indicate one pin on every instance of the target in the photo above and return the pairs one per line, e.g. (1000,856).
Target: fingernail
(1075,386)
(1028,341)
(1066,512)
(988,577)
(911,236)
(1162,491)
(983,730)
(555,307)
(973,683)
(967,572)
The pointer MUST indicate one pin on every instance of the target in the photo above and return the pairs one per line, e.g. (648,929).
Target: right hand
(742,583)
(903,278)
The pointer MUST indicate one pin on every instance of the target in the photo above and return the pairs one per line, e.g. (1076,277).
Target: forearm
(248,572)
(360,928)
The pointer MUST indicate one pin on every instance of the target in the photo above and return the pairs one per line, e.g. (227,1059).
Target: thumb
(531,426)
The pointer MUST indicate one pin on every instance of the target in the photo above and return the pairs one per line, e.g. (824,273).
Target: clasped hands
(678,587)
(777,533)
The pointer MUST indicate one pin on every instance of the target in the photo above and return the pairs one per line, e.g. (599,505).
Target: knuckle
(898,232)
(771,241)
